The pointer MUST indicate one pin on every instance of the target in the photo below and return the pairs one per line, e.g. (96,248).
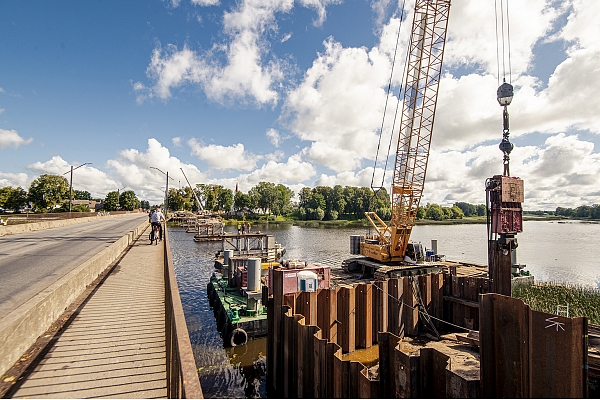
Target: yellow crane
(423,74)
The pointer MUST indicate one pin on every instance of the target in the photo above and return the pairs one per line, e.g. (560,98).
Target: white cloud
(339,104)
(293,171)
(10,138)
(205,3)
(135,170)
(359,178)
(15,180)
(89,178)
(583,25)
(224,157)
(320,7)
(250,71)
(472,34)
(332,156)
(274,137)
(2,110)
(176,141)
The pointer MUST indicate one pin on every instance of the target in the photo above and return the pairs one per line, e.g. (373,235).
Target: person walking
(243,228)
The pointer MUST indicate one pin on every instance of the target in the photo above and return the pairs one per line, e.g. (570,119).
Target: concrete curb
(21,328)
(37,226)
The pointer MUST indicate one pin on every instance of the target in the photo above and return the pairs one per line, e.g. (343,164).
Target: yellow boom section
(424,71)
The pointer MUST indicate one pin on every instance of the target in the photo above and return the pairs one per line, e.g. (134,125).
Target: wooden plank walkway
(115,346)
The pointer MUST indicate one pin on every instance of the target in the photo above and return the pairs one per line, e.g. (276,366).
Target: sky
(293,92)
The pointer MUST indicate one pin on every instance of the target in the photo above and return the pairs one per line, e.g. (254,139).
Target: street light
(166,190)
(71,183)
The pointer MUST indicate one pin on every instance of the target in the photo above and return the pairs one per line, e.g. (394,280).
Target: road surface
(30,262)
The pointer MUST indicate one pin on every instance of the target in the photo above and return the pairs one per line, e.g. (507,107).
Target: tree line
(583,212)
(50,193)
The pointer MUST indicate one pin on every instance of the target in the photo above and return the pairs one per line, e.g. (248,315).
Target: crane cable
(505,38)
(389,89)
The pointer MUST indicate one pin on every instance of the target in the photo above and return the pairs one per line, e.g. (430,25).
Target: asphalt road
(32,261)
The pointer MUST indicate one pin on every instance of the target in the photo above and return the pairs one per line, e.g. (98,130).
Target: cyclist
(156,217)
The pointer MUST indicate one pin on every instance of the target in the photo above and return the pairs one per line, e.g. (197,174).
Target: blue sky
(289,92)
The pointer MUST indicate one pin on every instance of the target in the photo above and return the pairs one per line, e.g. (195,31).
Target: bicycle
(154,234)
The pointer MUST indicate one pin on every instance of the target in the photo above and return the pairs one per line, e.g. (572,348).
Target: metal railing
(182,375)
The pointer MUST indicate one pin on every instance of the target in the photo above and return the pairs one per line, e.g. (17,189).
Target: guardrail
(182,375)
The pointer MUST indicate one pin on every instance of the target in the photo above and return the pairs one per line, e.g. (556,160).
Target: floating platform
(236,322)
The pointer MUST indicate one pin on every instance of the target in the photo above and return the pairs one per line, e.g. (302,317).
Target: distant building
(90,203)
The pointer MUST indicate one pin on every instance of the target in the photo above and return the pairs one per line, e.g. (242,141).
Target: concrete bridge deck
(115,345)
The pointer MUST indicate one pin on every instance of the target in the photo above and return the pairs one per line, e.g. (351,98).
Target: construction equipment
(200,208)
(391,243)
(504,193)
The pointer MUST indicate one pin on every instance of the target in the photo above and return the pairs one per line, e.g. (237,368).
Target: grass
(545,297)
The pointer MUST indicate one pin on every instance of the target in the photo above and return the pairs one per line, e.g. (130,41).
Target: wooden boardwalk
(115,346)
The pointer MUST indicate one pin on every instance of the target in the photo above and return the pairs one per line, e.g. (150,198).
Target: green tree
(208,195)
(434,211)
(81,195)
(467,209)
(179,199)
(283,200)
(305,197)
(338,199)
(421,212)
(225,200)
(128,200)
(111,200)
(145,204)
(457,212)
(317,201)
(481,210)
(12,198)
(48,191)
(264,195)
(242,201)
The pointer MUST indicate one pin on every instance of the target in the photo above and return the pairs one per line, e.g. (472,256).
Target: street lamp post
(166,190)
(71,183)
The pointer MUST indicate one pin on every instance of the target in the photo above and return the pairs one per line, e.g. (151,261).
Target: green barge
(240,315)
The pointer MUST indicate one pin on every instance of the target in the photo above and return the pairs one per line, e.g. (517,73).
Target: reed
(546,297)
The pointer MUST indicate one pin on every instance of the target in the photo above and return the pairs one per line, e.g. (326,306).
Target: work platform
(115,346)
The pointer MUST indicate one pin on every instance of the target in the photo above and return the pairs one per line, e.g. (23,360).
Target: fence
(182,375)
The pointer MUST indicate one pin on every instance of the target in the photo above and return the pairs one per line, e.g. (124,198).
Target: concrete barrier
(21,328)
(37,226)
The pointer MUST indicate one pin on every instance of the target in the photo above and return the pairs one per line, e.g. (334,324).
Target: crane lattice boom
(424,71)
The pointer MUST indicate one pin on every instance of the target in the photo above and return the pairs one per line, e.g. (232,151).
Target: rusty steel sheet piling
(327,313)
(526,353)
(433,366)
(364,308)
(388,369)
(347,316)
(380,309)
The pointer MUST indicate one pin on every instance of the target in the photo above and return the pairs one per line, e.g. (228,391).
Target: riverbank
(364,223)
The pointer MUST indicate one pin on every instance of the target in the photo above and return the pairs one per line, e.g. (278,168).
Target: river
(552,251)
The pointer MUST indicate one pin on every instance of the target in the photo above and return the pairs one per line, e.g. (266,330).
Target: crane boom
(424,71)
(193,192)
